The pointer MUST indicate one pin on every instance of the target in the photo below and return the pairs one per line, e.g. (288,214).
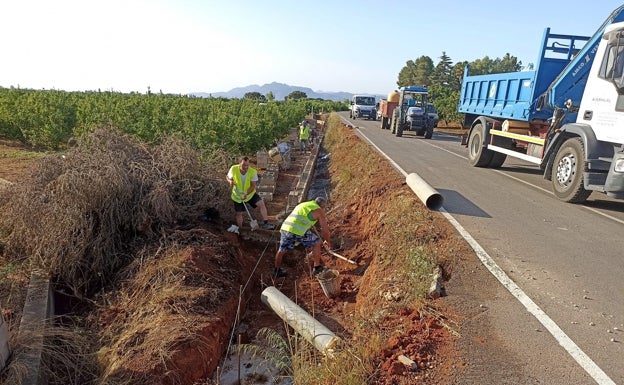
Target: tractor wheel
(399,131)
(567,172)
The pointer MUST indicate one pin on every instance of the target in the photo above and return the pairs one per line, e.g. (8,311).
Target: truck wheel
(478,156)
(384,123)
(429,133)
(399,131)
(393,125)
(567,172)
(498,158)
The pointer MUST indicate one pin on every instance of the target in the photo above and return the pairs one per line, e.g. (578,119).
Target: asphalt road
(559,319)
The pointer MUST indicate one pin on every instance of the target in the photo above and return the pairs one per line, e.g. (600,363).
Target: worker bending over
(297,228)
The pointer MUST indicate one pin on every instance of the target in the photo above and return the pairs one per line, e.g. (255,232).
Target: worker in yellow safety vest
(304,135)
(297,228)
(243,180)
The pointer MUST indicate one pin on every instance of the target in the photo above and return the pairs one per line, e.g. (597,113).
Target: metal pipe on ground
(427,194)
(309,328)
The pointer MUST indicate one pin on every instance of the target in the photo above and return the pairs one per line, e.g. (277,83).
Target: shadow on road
(455,203)
(600,201)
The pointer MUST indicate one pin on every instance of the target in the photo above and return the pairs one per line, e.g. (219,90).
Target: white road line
(566,342)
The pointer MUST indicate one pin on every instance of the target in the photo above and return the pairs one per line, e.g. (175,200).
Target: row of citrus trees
(49,118)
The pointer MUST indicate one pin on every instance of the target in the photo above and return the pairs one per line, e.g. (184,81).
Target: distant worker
(297,228)
(243,179)
(304,135)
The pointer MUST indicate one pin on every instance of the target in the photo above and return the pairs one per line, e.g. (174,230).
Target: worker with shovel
(243,180)
(298,228)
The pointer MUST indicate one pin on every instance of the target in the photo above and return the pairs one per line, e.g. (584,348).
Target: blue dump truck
(566,115)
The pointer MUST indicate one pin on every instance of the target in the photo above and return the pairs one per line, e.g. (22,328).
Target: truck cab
(362,106)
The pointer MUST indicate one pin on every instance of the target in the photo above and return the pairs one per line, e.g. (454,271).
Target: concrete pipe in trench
(427,194)
(313,331)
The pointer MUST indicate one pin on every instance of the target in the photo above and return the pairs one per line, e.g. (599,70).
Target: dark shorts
(288,240)
(239,207)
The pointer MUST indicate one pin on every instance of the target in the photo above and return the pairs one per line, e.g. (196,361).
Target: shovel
(330,251)
(339,256)
(252,222)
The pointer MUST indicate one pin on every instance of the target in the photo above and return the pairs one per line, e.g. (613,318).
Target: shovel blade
(254,224)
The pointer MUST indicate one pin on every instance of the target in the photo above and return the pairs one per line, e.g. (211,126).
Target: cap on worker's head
(320,201)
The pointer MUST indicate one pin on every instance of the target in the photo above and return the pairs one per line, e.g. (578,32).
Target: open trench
(236,365)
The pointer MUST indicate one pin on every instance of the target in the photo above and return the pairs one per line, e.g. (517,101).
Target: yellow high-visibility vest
(238,190)
(299,221)
(304,132)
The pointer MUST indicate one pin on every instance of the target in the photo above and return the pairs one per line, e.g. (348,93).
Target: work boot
(268,226)
(279,272)
(318,269)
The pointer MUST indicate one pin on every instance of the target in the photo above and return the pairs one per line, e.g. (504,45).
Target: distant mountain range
(280,91)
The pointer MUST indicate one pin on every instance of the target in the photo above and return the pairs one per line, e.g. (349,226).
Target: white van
(363,106)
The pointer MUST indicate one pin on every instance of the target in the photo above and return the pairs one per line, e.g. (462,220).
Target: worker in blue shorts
(297,228)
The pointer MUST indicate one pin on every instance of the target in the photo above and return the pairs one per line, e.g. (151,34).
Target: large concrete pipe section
(313,331)
(427,194)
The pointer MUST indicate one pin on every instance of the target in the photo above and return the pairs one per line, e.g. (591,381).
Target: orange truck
(386,107)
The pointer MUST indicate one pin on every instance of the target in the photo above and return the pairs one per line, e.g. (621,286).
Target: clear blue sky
(183,46)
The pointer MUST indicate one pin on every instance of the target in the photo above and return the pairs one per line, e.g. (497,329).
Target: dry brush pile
(113,221)
(78,215)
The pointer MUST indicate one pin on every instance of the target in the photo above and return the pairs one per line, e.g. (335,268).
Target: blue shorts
(288,240)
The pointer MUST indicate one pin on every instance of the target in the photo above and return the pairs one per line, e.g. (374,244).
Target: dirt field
(427,337)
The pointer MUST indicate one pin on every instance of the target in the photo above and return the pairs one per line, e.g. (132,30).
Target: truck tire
(478,156)
(384,123)
(567,172)
(429,133)
(393,124)
(498,158)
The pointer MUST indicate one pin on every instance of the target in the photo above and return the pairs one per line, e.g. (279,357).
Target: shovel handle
(340,256)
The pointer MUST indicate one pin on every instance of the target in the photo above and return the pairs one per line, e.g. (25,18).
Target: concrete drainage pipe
(313,331)
(429,196)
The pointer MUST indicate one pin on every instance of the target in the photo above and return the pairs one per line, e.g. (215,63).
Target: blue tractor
(411,114)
